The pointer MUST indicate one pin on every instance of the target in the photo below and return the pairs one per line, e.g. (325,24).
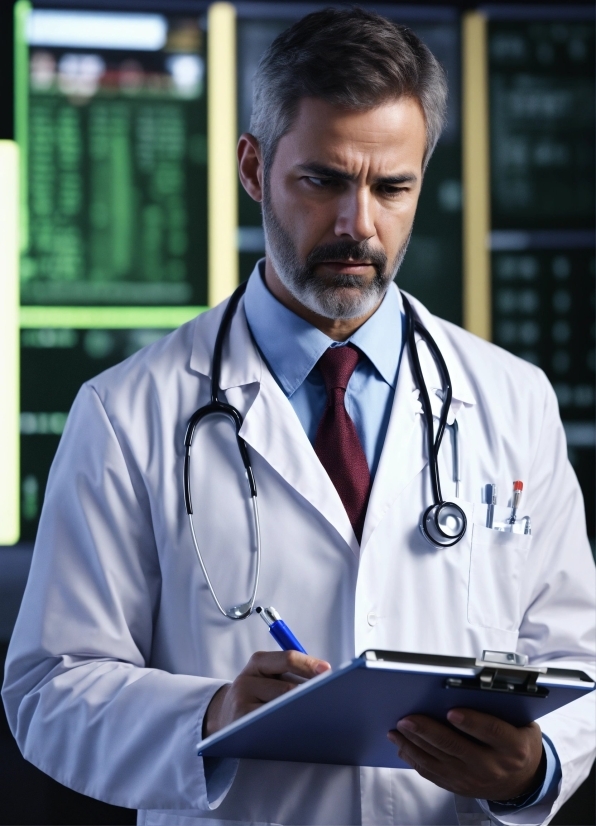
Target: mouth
(348,266)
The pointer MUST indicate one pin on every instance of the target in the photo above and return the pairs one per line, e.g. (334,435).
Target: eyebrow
(331,172)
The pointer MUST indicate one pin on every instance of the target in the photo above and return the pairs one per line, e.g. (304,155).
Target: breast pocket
(497,565)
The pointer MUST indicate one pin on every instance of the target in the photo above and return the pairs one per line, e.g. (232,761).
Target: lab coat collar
(235,371)
(461,390)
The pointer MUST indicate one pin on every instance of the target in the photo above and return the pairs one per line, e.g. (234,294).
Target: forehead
(386,136)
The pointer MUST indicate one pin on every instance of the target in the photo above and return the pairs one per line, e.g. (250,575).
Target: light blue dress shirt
(292,347)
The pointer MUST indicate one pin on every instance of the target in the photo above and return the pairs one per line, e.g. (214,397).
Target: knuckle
(449,742)
(495,728)
(523,753)
(293,657)
(256,658)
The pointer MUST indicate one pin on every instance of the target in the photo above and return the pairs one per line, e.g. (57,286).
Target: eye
(321,183)
(391,191)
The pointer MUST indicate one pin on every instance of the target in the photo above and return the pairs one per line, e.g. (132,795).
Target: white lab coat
(119,647)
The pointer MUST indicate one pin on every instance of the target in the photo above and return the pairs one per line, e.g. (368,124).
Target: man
(121,661)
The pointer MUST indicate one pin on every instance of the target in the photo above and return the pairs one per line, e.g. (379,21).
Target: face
(339,202)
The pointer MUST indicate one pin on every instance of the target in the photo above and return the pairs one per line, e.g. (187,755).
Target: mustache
(347,250)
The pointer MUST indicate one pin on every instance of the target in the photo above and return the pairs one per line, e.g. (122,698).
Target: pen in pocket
(491,498)
(516,499)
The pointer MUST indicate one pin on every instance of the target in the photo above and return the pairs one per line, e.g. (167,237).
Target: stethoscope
(443,524)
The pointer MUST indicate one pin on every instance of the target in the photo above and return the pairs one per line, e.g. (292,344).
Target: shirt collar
(291,346)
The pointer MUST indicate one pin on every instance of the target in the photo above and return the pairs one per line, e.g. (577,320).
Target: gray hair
(350,58)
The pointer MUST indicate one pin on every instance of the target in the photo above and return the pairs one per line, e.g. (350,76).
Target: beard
(339,296)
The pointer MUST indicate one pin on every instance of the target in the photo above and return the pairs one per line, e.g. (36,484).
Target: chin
(342,303)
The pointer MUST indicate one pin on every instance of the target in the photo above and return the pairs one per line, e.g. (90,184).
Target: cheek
(393,227)
(308,222)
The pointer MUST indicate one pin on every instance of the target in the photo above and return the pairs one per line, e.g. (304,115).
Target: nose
(355,216)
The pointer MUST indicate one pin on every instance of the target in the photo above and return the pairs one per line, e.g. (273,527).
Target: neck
(339,329)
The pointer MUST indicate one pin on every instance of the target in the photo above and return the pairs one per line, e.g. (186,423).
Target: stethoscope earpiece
(444,524)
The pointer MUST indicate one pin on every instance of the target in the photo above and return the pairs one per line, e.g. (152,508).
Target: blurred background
(118,122)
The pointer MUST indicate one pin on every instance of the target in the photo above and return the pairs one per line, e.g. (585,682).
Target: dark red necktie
(337,444)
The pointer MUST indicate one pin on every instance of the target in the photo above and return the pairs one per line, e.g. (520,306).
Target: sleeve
(80,700)
(558,592)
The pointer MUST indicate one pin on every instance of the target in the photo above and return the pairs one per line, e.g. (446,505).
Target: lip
(343,266)
(350,261)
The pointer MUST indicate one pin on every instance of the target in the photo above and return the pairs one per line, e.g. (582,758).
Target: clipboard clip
(505,672)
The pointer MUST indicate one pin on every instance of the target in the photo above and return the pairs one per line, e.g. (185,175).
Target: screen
(55,363)
(542,124)
(543,194)
(116,159)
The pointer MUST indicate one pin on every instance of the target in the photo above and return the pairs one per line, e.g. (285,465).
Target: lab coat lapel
(404,453)
(271,427)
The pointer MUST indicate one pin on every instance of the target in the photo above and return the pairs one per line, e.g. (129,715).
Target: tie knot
(337,365)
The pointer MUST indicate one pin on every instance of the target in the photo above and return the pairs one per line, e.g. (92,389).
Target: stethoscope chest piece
(443,524)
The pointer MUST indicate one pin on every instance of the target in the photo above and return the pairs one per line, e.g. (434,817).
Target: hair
(350,58)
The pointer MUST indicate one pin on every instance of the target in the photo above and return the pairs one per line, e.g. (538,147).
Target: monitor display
(55,363)
(543,194)
(542,124)
(114,113)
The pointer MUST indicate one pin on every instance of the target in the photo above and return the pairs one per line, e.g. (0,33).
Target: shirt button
(371,618)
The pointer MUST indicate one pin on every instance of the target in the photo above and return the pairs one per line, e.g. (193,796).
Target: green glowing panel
(110,317)
(74,356)
(116,167)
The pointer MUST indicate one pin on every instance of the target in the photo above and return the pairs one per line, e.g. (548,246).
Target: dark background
(27,796)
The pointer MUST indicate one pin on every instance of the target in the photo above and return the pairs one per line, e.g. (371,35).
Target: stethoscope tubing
(430,524)
(218,407)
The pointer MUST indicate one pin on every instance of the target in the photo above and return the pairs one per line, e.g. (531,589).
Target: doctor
(120,659)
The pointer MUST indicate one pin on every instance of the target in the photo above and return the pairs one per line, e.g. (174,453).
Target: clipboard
(342,717)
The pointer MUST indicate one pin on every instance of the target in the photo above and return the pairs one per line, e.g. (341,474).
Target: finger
(275,663)
(443,738)
(417,758)
(427,746)
(488,729)
(249,689)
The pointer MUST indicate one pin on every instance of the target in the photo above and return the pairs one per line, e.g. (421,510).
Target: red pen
(517,494)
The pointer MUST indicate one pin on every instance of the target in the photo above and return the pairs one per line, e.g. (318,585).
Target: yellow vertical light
(222,179)
(476,177)
(9,344)
(22,10)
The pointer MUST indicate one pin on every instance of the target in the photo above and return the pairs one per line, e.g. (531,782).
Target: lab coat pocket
(497,565)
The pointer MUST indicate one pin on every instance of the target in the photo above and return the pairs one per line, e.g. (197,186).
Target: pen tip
(518,485)
(258,609)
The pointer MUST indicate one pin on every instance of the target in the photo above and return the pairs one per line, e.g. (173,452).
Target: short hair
(351,58)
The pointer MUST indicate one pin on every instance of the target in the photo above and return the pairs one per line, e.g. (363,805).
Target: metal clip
(503,658)
(503,671)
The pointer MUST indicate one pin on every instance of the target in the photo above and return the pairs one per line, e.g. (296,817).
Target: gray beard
(326,298)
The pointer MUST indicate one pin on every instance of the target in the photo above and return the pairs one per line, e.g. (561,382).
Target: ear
(250,166)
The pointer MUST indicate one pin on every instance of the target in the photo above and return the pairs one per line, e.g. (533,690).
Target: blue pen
(279,630)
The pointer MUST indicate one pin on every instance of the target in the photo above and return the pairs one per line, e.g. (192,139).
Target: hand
(503,765)
(267,675)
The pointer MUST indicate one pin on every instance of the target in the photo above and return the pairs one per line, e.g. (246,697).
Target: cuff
(216,774)
(542,797)
(219,776)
